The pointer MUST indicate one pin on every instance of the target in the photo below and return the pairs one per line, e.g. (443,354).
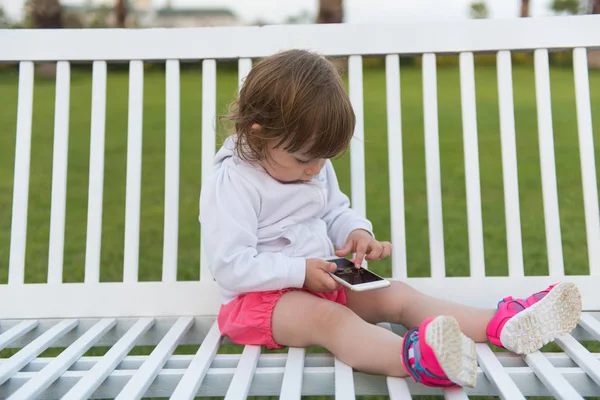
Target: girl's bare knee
(301,319)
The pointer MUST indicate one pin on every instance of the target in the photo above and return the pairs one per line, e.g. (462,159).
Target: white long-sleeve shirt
(259,232)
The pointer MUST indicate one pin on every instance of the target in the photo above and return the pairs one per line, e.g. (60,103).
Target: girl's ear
(255,127)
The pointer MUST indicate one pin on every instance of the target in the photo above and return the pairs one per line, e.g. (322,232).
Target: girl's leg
(519,325)
(404,305)
(301,320)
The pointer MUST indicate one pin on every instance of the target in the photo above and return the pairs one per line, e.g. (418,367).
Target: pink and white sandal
(525,325)
(438,354)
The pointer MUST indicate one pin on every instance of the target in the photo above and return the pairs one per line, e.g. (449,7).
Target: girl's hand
(363,244)
(317,275)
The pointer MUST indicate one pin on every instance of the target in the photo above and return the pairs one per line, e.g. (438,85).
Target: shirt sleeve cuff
(297,272)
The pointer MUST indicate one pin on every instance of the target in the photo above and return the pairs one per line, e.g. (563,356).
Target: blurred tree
(567,6)
(524,8)
(479,10)
(330,12)
(303,17)
(121,13)
(46,14)
(4,21)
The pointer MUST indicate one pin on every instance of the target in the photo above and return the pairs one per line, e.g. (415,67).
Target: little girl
(272,211)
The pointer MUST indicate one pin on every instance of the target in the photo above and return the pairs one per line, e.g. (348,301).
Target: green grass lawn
(452,170)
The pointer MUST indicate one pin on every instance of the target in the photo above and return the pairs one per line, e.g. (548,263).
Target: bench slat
(509,165)
(36,385)
(357,148)
(198,367)
(496,373)
(139,383)
(59,173)
(590,324)
(134,171)
(550,377)
(547,164)
(394,135)
(244,373)
(471,154)
(398,388)
(106,365)
(432,167)
(581,356)
(291,387)
(455,394)
(96,178)
(16,332)
(244,67)
(28,353)
(169,266)
(344,381)
(209,112)
(18,227)
(586,155)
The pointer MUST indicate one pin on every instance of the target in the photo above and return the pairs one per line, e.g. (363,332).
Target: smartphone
(358,279)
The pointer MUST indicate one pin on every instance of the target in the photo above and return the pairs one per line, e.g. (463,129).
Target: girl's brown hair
(299,100)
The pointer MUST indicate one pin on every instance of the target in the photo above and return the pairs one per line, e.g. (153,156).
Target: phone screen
(354,276)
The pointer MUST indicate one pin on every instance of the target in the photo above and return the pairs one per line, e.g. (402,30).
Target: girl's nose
(315,168)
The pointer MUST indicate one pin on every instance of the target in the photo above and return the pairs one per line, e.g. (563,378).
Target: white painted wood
(107,364)
(546,142)
(184,361)
(93,237)
(18,226)
(139,383)
(319,381)
(328,39)
(199,365)
(16,332)
(134,172)
(244,67)
(550,377)
(395,163)
(357,147)
(242,379)
(509,165)
(59,173)
(35,386)
(455,394)
(203,298)
(496,373)
(398,389)
(291,388)
(587,158)
(169,268)
(432,168)
(579,354)
(344,381)
(17,361)
(591,325)
(209,113)
(471,150)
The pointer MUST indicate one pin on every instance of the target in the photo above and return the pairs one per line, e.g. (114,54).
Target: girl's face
(291,167)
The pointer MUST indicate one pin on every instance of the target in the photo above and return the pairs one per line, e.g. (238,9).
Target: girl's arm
(340,218)
(229,208)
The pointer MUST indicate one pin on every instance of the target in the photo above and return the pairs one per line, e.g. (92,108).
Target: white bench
(78,316)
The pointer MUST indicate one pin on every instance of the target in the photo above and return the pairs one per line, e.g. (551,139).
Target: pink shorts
(247,318)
